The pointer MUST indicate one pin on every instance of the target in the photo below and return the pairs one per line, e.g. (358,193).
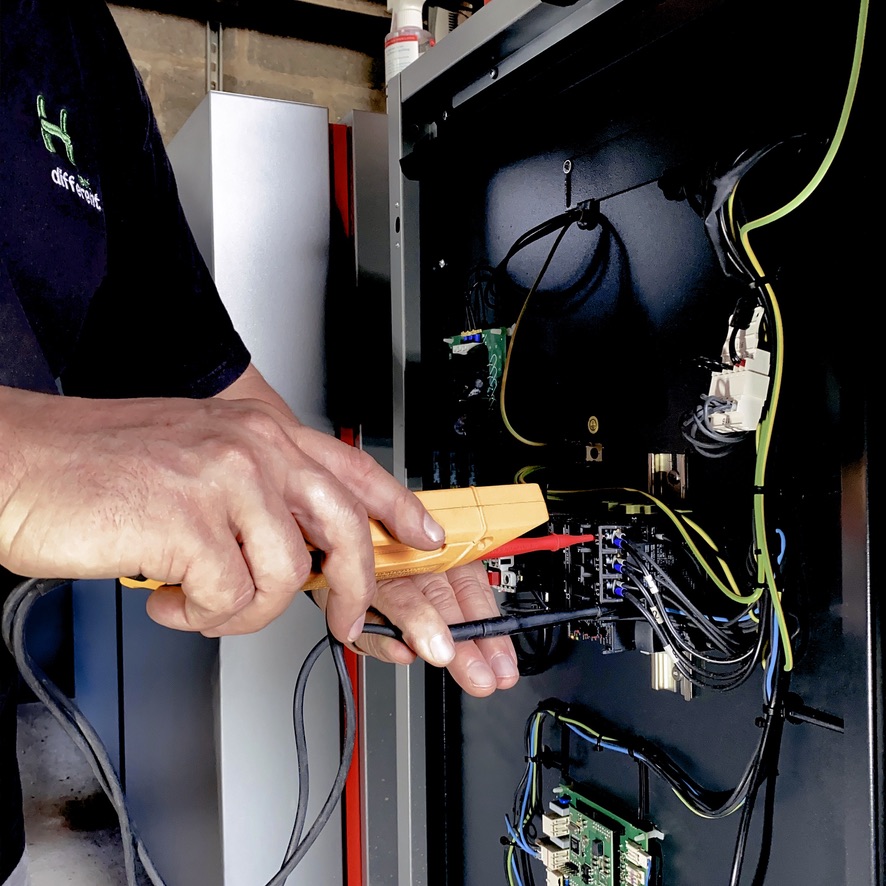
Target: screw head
(493,74)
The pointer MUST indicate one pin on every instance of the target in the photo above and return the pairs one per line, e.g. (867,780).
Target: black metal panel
(652,91)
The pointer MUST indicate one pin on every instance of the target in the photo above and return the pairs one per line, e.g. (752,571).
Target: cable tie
(759,490)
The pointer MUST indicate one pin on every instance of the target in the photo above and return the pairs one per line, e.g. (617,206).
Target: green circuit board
(587,845)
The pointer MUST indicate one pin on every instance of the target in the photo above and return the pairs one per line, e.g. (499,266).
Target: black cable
(294,856)
(766,766)
(695,675)
(665,630)
(711,804)
(713,632)
(499,626)
(15,612)
(16,609)
(691,615)
(301,746)
(768,827)
(578,214)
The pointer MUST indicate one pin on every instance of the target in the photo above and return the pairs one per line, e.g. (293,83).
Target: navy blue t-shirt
(102,290)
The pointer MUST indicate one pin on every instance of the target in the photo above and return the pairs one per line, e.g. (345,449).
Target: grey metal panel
(409,682)
(378,767)
(411,775)
(372,254)
(372,241)
(257,772)
(862,835)
(270,170)
(500,22)
(169,682)
(253,177)
(405,277)
(95,659)
(213,728)
(530,45)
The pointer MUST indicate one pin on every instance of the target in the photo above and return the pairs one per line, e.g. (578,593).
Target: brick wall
(170,53)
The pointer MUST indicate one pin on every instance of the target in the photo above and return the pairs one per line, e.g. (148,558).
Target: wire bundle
(12,629)
(15,613)
(706,440)
(724,658)
(521,843)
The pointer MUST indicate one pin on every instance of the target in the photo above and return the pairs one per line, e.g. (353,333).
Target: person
(167,454)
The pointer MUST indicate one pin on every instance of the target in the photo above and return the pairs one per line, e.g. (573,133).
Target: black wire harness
(520,844)
(709,653)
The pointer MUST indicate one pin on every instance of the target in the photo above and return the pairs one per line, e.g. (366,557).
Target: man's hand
(422,606)
(215,495)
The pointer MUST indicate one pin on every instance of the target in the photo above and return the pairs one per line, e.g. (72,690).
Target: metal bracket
(214,74)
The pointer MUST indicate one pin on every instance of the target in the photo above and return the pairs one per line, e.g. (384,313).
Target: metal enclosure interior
(530,108)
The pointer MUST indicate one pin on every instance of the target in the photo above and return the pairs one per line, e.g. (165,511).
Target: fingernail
(356,630)
(441,648)
(504,666)
(433,530)
(480,674)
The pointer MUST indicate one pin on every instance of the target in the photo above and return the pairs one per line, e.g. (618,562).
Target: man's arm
(219,496)
(197,492)
(421,606)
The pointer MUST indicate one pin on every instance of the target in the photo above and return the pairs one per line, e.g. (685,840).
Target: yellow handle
(476,519)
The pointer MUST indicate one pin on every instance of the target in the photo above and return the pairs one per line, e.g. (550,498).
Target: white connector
(552,856)
(555,825)
(746,384)
(508,577)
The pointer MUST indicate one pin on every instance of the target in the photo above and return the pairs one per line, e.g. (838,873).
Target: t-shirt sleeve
(156,326)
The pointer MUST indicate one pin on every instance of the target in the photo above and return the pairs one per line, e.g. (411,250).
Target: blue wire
(518,839)
(533,743)
(606,745)
(773,657)
(515,834)
(780,556)
(514,870)
(711,617)
(773,654)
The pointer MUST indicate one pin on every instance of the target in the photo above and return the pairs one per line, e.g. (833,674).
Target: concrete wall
(170,53)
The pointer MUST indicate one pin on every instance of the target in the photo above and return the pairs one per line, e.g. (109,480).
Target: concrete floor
(73,839)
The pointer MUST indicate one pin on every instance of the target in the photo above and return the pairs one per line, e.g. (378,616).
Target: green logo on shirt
(50,131)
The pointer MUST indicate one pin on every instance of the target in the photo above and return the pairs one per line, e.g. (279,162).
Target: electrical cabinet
(613,188)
